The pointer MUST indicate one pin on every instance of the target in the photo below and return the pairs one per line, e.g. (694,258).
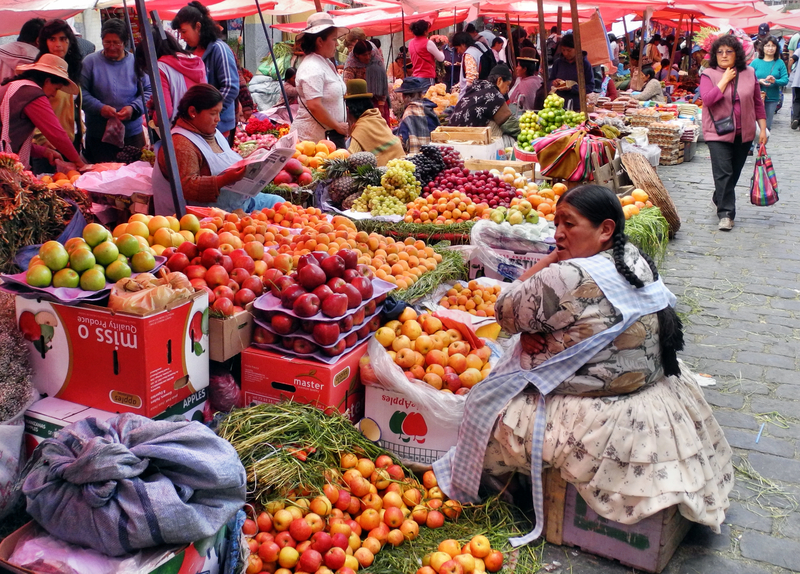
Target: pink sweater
(747,105)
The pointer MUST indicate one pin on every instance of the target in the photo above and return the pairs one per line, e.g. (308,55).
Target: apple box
(230,336)
(201,557)
(47,416)
(398,425)
(116,361)
(269,377)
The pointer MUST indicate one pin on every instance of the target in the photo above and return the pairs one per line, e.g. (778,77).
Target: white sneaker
(725,224)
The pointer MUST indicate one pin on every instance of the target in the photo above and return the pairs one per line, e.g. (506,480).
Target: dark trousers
(727,161)
(97,151)
(796,103)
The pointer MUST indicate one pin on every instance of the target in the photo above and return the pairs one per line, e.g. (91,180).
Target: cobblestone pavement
(739,293)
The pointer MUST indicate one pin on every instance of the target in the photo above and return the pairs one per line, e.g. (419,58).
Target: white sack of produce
(147,293)
(131,483)
(489,237)
(127,180)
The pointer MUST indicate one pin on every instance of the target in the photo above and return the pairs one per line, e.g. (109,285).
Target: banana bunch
(610,131)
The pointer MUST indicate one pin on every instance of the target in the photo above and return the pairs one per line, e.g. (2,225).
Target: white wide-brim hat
(320,22)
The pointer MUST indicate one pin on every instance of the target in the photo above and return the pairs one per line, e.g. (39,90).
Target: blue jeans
(770,108)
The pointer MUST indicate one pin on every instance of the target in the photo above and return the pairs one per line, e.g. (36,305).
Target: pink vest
(722,109)
(421,60)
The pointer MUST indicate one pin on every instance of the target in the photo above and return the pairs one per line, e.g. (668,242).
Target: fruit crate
(446,134)
(647,545)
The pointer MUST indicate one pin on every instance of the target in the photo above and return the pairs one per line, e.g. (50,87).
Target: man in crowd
(23,51)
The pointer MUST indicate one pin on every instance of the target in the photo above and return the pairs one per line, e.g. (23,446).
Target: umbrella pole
(275,61)
(675,46)
(453,64)
(133,50)
(509,49)
(173,175)
(403,36)
(543,45)
(560,15)
(627,40)
(576,33)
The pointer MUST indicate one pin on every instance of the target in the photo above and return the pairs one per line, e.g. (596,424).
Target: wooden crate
(444,134)
(487,164)
(647,545)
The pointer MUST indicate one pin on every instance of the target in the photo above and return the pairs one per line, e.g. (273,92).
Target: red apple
(211,296)
(346,324)
(310,561)
(264,337)
(358,317)
(288,342)
(303,347)
(254,284)
(354,298)
(335,305)
(306,259)
(363,285)
(363,332)
(336,350)
(351,340)
(227,263)
(366,271)
(290,295)
(198,283)
(244,296)
(211,257)
(339,540)
(300,529)
(216,275)
(374,323)
(326,333)
(308,326)
(350,274)
(177,262)
(350,258)
(283,324)
(233,285)
(207,241)
(370,308)
(335,557)
(333,266)
(283,539)
(322,292)
(320,255)
(311,277)
(224,306)
(245,262)
(321,542)
(224,291)
(239,274)
(307,304)
(280,284)
(168,252)
(195,272)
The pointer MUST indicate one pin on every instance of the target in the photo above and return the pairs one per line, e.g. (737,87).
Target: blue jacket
(112,83)
(223,74)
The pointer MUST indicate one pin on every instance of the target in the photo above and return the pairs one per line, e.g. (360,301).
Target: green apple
(128,245)
(105,253)
(142,262)
(66,278)
(497,216)
(93,280)
(54,255)
(117,270)
(94,234)
(81,259)
(39,276)
(74,243)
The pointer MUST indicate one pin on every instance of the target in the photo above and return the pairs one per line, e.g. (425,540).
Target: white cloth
(177,86)
(317,78)
(501,55)
(217,163)
(437,54)
(14,54)
(664,51)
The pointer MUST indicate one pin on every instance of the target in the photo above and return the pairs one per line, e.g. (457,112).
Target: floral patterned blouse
(565,305)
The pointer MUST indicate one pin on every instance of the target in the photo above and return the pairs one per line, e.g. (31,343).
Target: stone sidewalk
(739,294)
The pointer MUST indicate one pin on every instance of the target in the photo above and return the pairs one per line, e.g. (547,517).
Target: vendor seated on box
(595,388)
(203,157)
(368,130)
(484,105)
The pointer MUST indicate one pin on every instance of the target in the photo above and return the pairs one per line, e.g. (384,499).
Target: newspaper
(262,166)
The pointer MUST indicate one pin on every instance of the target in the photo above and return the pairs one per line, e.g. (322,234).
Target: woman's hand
(343,128)
(770,80)
(727,77)
(231,176)
(125,113)
(533,343)
(108,112)
(763,137)
(52,156)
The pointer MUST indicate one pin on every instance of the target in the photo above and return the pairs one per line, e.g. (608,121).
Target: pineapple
(350,200)
(336,168)
(361,158)
(342,187)
(367,175)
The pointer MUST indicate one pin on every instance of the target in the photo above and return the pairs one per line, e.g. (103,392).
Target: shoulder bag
(726,125)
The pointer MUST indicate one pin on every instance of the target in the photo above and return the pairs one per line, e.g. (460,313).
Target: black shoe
(750,151)
(795,124)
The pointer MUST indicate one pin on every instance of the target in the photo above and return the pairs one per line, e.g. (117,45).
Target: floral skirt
(628,456)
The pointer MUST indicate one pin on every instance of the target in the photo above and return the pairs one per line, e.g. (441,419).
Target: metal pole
(627,39)
(173,175)
(560,14)
(132,46)
(275,61)
(576,34)
(453,63)
(403,36)
(510,49)
(674,46)
(543,44)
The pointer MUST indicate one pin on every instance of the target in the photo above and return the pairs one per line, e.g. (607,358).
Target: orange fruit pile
(475,299)
(444,208)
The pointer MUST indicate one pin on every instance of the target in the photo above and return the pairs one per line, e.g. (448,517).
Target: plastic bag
(651,151)
(115,132)
(446,408)
(146,294)
(223,392)
(11,455)
(486,236)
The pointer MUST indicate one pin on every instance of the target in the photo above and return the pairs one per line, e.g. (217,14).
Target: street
(739,296)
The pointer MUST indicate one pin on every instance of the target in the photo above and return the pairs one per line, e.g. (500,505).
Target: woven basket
(645,177)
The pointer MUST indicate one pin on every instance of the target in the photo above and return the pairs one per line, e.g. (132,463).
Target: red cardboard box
(115,361)
(269,377)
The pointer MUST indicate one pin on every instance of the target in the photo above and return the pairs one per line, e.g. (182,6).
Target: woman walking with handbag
(732,106)
(772,75)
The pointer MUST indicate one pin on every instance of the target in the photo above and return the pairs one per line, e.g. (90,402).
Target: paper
(260,170)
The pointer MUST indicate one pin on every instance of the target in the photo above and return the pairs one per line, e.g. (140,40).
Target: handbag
(764,184)
(726,125)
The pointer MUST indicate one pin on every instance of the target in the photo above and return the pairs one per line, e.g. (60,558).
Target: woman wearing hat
(365,62)
(369,131)
(419,116)
(484,104)
(320,90)
(565,69)
(25,106)
(523,92)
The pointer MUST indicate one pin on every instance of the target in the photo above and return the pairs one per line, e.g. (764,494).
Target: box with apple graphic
(115,361)
(398,425)
(269,377)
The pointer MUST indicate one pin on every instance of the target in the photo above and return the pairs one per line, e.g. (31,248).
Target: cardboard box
(450,134)
(403,429)
(269,377)
(230,336)
(49,415)
(476,151)
(202,557)
(116,361)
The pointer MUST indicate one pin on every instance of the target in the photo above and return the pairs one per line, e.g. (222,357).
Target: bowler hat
(357,89)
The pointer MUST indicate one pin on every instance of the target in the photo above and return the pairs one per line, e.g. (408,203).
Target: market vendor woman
(484,104)
(595,388)
(203,157)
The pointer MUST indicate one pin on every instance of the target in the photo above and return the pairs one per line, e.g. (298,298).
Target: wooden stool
(647,545)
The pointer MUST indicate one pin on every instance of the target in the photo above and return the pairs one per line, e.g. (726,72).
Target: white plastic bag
(11,457)
(488,237)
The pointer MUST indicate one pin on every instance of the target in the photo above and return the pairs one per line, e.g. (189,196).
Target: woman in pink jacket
(730,89)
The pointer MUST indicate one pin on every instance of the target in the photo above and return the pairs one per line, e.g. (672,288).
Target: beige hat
(319,22)
(51,64)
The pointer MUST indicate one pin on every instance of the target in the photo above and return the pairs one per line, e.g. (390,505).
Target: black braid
(670,328)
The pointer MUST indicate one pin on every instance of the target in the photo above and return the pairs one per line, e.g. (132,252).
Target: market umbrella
(13,14)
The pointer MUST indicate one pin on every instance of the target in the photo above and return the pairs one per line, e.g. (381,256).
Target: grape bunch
(377,202)
(149,156)
(398,187)
(129,154)
(451,157)
(429,164)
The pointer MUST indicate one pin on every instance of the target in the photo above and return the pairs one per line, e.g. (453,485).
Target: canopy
(14,13)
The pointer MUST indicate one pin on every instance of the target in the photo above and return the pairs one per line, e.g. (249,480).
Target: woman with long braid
(623,421)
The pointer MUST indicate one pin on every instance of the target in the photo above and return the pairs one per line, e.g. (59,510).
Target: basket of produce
(645,177)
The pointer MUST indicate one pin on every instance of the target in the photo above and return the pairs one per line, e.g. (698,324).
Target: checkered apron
(459,471)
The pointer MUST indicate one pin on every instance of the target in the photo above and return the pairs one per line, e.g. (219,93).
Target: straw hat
(51,64)
(528,54)
(357,89)
(319,22)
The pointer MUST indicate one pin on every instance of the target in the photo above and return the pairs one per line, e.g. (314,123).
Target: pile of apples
(327,296)
(428,352)
(479,186)
(542,201)
(370,505)
(293,175)
(512,176)
(89,261)
(475,299)
(445,208)
(160,232)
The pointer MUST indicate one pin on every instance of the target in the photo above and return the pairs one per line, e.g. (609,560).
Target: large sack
(132,483)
